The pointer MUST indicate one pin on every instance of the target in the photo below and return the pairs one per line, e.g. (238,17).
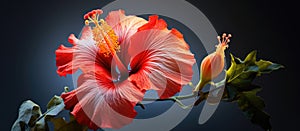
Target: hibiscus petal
(154,23)
(84,54)
(64,56)
(124,27)
(101,103)
(87,53)
(86,33)
(159,53)
(171,90)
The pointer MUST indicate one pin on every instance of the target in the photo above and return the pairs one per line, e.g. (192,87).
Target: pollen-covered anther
(103,34)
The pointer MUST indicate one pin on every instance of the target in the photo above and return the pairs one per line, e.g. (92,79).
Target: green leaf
(253,106)
(55,106)
(31,119)
(41,125)
(60,124)
(242,73)
(251,57)
(233,92)
(29,112)
(239,87)
(267,66)
(244,79)
(235,69)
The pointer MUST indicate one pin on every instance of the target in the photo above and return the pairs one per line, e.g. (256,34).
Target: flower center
(107,41)
(103,34)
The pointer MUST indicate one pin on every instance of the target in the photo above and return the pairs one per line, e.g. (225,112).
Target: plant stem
(202,96)
(192,95)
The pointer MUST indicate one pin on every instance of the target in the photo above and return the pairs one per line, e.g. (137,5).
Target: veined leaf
(253,106)
(60,124)
(242,73)
(54,107)
(239,87)
(28,113)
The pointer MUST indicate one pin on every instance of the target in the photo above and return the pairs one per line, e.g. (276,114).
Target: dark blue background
(32,31)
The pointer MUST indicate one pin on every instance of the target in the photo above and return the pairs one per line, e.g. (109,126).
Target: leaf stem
(44,114)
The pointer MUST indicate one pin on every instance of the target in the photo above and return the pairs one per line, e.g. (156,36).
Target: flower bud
(213,64)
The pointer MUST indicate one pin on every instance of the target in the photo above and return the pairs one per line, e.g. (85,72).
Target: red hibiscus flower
(121,58)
